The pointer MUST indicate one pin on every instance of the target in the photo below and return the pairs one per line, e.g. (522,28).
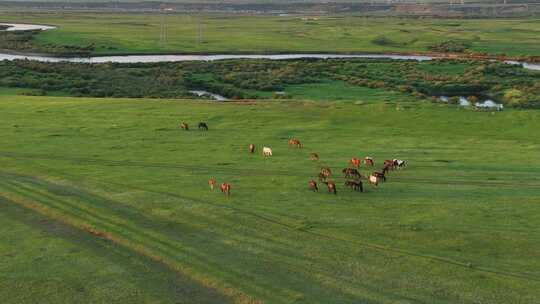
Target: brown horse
(313,156)
(184,126)
(331,187)
(380,175)
(326,171)
(355,185)
(368,161)
(313,186)
(293,142)
(390,164)
(355,162)
(251,148)
(225,188)
(212,183)
(351,173)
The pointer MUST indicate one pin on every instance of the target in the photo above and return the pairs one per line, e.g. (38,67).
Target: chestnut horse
(355,162)
(313,156)
(184,126)
(212,183)
(226,189)
(331,187)
(313,186)
(295,143)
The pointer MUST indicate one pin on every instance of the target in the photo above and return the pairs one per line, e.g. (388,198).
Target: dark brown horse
(380,175)
(351,173)
(331,187)
(313,186)
(355,185)
(203,126)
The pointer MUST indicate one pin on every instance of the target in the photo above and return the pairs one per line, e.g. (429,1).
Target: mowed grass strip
(458,225)
(113,33)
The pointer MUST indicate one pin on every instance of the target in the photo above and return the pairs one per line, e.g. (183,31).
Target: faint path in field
(523,183)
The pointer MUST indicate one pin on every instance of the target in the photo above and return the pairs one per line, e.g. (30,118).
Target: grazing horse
(212,183)
(374,180)
(251,148)
(386,169)
(351,173)
(226,189)
(380,175)
(398,163)
(355,162)
(326,172)
(313,156)
(293,142)
(322,177)
(368,161)
(389,163)
(203,126)
(184,126)
(267,151)
(331,187)
(355,185)
(313,186)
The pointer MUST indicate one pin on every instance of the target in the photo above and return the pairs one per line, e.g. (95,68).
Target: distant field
(140,33)
(97,194)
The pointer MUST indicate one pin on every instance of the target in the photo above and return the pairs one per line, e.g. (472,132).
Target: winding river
(176,58)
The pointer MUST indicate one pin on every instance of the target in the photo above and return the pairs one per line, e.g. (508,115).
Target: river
(176,58)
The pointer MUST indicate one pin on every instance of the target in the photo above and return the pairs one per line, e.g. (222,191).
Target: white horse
(267,151)
(374,180)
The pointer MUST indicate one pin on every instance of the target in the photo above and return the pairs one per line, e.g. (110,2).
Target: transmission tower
(163,25)
(199,30)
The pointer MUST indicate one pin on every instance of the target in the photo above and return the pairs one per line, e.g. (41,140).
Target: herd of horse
(353,177)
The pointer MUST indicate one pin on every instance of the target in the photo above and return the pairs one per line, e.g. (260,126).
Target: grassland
(459,225)
(140,33)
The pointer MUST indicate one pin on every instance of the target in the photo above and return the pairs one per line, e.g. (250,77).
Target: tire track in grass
(369,245)
(55,210)
(111,224)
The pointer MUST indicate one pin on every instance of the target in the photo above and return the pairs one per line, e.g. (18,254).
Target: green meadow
(108,33)
(106,201)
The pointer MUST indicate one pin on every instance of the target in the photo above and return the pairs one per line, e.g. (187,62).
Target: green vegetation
(140,33)
(47,262)
(459,225)
(337,79)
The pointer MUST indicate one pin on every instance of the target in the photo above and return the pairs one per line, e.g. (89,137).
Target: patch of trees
(251,79)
